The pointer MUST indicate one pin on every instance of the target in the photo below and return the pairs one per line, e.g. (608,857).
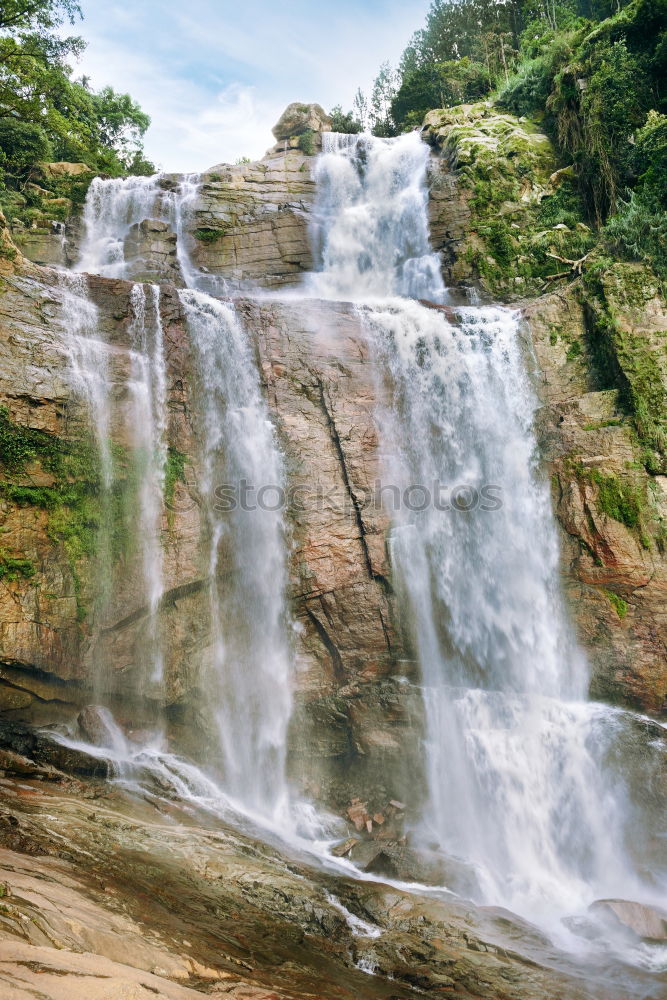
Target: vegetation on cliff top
(48,115)
(591,73)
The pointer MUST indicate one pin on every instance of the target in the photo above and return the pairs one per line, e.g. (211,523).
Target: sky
(215,75)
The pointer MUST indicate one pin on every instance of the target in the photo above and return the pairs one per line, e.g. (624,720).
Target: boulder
(97,725)
(64,169)
(150,250)
(299,118)
(643,920)
(43,749)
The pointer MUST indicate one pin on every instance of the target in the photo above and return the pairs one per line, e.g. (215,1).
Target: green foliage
(205,235)
(22,144)
(307,142)
(639,230)
(618,604)
(12,568)
(46,114)
(174,473)
(342,121)
(589,70)
(438,86)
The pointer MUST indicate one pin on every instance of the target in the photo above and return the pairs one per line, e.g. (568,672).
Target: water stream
(245,668)
(521,784)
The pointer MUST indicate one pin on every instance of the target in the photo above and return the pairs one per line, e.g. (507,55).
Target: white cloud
(215,77)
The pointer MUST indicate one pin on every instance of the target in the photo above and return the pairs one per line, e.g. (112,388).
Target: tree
(383,93)
(360,108)
(342,121)
(37,16)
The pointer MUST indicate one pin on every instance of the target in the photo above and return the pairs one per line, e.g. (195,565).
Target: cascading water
(519,777)
(246,671)
(133,493)
(148,415)
(249,673)
(371,225)
(114,206)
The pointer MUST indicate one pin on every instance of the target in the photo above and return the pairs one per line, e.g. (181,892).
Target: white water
(518,763)
(371,227)
(249,676)
(245,674)
(148,418)
(114,206)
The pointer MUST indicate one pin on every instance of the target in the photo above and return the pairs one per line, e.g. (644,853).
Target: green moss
(598,425)
(205,235)
(174,472)
(73,500)
(573,351)
(622,501)
(12,568)
(626,359)
(619,605)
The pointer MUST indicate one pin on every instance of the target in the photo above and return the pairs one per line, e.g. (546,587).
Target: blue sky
(214,75)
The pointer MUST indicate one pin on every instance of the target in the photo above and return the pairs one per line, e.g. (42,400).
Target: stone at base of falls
(299,118)
(95,725)
(42,749)
(649,922)
(111,899)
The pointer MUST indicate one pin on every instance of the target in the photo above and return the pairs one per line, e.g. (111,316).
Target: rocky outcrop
(249,225)
(612,509)
(648,922)
(297,119)
(150,249)
(501,212)
(100,893)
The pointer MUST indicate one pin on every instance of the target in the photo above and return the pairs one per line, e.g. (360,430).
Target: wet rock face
(105,897)
(648,922)
(355,728)
(612,510)
(150,249)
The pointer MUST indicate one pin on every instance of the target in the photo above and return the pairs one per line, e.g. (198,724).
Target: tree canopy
(45,113)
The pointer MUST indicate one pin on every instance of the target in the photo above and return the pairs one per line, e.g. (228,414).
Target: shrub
(342,121)
(307,142)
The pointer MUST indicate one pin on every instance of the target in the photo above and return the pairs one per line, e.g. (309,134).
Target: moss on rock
(525,213)
(619,298)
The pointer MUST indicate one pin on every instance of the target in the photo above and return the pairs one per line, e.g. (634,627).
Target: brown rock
(645,921)
(299,118)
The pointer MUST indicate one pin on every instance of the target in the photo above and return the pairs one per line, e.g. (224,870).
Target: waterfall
(520,780)
(148,415)
(249,674)
(370,226)
(113,206)
(132,397)
(245,671)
